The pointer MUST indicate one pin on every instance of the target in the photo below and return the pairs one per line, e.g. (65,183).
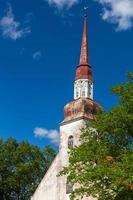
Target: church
(76,113)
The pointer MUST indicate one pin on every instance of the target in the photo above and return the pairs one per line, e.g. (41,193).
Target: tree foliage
(22,167)
(102,166)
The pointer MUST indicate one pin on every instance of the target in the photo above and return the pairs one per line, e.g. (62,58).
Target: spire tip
(85,11)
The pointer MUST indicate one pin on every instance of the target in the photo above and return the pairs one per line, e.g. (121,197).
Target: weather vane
(85,8)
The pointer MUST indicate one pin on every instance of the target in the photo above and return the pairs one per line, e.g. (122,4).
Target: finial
(85,9)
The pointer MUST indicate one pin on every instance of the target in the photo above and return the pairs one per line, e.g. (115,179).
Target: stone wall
(48,189)
(53,187)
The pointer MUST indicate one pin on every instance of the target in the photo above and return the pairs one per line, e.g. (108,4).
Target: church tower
(83,85)
(83,106)
(81,110)
(76,113)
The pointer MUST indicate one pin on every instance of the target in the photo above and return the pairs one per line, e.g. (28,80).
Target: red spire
(84,45)
(84,69)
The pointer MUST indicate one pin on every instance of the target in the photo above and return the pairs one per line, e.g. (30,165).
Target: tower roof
(83,106)
(84,59)
(84,68)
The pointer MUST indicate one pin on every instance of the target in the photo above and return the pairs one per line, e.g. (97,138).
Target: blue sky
(39,51)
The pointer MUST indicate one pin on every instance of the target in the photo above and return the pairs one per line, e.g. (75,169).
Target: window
(83,93)
(77,94)
(70,142)
(69,188)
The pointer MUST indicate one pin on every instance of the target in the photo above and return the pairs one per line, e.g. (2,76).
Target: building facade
(76,113)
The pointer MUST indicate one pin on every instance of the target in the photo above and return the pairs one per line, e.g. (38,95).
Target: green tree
(22,167)
(102,166)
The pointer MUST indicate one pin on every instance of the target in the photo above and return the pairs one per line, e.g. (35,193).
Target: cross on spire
(85,10)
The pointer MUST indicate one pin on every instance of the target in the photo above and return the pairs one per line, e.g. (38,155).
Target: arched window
(70,142)
(77,94)
(69,188)
(83,93)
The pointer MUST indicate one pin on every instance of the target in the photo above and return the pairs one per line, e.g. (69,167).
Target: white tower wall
(83,88)
(53,187)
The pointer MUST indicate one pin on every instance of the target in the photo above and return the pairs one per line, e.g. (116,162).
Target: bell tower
(77,113)
(83,106)
(83,85)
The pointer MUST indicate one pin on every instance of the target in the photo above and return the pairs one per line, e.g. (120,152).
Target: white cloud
(11,28)
(119,12)
(53,135)
(37,55)
(62,3)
